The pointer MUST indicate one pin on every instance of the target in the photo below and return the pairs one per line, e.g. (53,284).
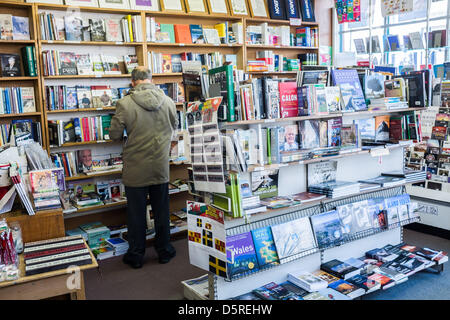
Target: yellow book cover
(130,28)
(222,30)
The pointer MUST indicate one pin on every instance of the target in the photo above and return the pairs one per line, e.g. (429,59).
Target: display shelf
(168,74)
(86,177)
(274,47)
(216,17)
(24,78)
(430,194)
(16,115)
(68,8)
(17,41)
(88,76)
(318,117)
(199,45)
(257,20)
(367,233)
(72,144)
(82,110)
(92,43)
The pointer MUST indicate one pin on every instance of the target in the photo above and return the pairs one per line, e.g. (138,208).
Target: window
(412,39)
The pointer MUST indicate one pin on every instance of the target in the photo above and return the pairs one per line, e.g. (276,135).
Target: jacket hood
(148,96)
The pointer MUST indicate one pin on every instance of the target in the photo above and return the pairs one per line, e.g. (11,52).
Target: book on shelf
(347,288)
(307,281)
(265,249)
(241,255)
(351,90)
(10,65)
(327,228)
(339,269)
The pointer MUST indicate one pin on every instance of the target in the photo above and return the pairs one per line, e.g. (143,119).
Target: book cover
(241,255)
(391,206)
(344,287)
(103,190)
(298,291)
(21,29)
(351,90)
(6,30)
(265,183)
(73,27)
(279,292)
(374,86)
(266,253)
(71,98)
(307,11)
(28,100)
(113,30)
(309,134)
(349,135)
(10,64)
(334,132)
(384,280)
(292,238)
(98,29)
(327,228)
(84,97)
(288,99)
(197,33)
(68,63)
(276,9)
(333,98)
(169,29)
(339,269)
(224,76)
(394,42)
(182,33)
(382,128)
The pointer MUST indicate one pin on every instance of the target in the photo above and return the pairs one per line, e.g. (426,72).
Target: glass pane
(364,23)
(419,12)
(377,17)
(437,42)
(438,8)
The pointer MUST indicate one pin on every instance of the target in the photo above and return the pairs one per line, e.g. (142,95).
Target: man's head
(140,75)
(290,135)
(86,157)
(11,61)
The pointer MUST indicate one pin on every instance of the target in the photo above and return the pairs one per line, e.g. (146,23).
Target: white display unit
(434,206)
(293,179)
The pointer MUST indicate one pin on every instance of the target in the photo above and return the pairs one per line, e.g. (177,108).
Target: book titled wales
(266,252)
(350,85)
(224,76)
(241,254)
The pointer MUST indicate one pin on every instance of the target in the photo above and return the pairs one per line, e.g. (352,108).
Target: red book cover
(182,33)
(288,99)
(64,161)
(395,129)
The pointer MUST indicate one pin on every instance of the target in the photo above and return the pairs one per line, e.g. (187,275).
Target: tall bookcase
(112,214)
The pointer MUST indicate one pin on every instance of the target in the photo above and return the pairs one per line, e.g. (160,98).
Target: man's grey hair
(141,74)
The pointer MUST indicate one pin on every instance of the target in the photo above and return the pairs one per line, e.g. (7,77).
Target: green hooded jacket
(150,118)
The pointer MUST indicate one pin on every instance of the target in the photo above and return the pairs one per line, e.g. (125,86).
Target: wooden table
(44,285)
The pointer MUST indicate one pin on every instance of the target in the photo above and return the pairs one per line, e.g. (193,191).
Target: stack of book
(17,100)
(410,176)
(385,181)
(335,189)
(307,281)
(120,245)
(45,189)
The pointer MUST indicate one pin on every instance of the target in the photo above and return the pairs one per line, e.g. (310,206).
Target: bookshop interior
(308,149)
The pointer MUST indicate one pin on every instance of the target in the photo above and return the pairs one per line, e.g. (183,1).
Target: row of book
(21,131)
(76,28)
(14,27)
(68,63)
(379,269)
(81,97)
(274,244)
(171,63)
(82,161)
(17,100)
(411,41)
(95,128)
(222,33)
(174,90)
(11,66)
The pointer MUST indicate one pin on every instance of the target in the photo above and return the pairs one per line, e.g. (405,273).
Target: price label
(269,120)
(98,75)
(50,41)
(379,152)
(99,108)
(295,21)
(119,42)
(181,44)
(101,141)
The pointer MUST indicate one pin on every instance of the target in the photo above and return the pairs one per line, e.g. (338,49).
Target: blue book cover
(391,206)
(350,85)
(266,252)
(394,42)
(327,228)
(241,255)
(390,70)
(196,33)
(292,9)
(374,207)
(307,11)
(71,98)
(276,9)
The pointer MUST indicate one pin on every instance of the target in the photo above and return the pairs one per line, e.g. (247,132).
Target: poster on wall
(391,7)
(206,238)
(348,10)
(205,145)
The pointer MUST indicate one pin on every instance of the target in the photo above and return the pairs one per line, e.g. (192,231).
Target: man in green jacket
(148,117)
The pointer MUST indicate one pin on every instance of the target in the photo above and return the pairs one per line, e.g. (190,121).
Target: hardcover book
(382,128)
(292,238)
(347,288)
(307,11)
(98,29)
(73,27)
(351,90)
(266,253)
(374,86)
(288,99)
(84,97)
(276,9)
(6,27)
(113,31)
(197,33)
(309,134)
(333,98)
(21,29)
(327,228)
(68,63)
(10,65)
(334,132)
(339,269)
(241,255)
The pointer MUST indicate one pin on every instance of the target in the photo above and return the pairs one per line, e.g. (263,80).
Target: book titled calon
(55,254)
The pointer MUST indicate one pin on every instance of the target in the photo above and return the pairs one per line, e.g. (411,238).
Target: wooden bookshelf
(110,109)
(95,175)
(92,43)
(88,76)
(74,144)
(24,78)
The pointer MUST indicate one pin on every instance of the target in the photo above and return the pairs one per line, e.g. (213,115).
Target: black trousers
(137,223)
